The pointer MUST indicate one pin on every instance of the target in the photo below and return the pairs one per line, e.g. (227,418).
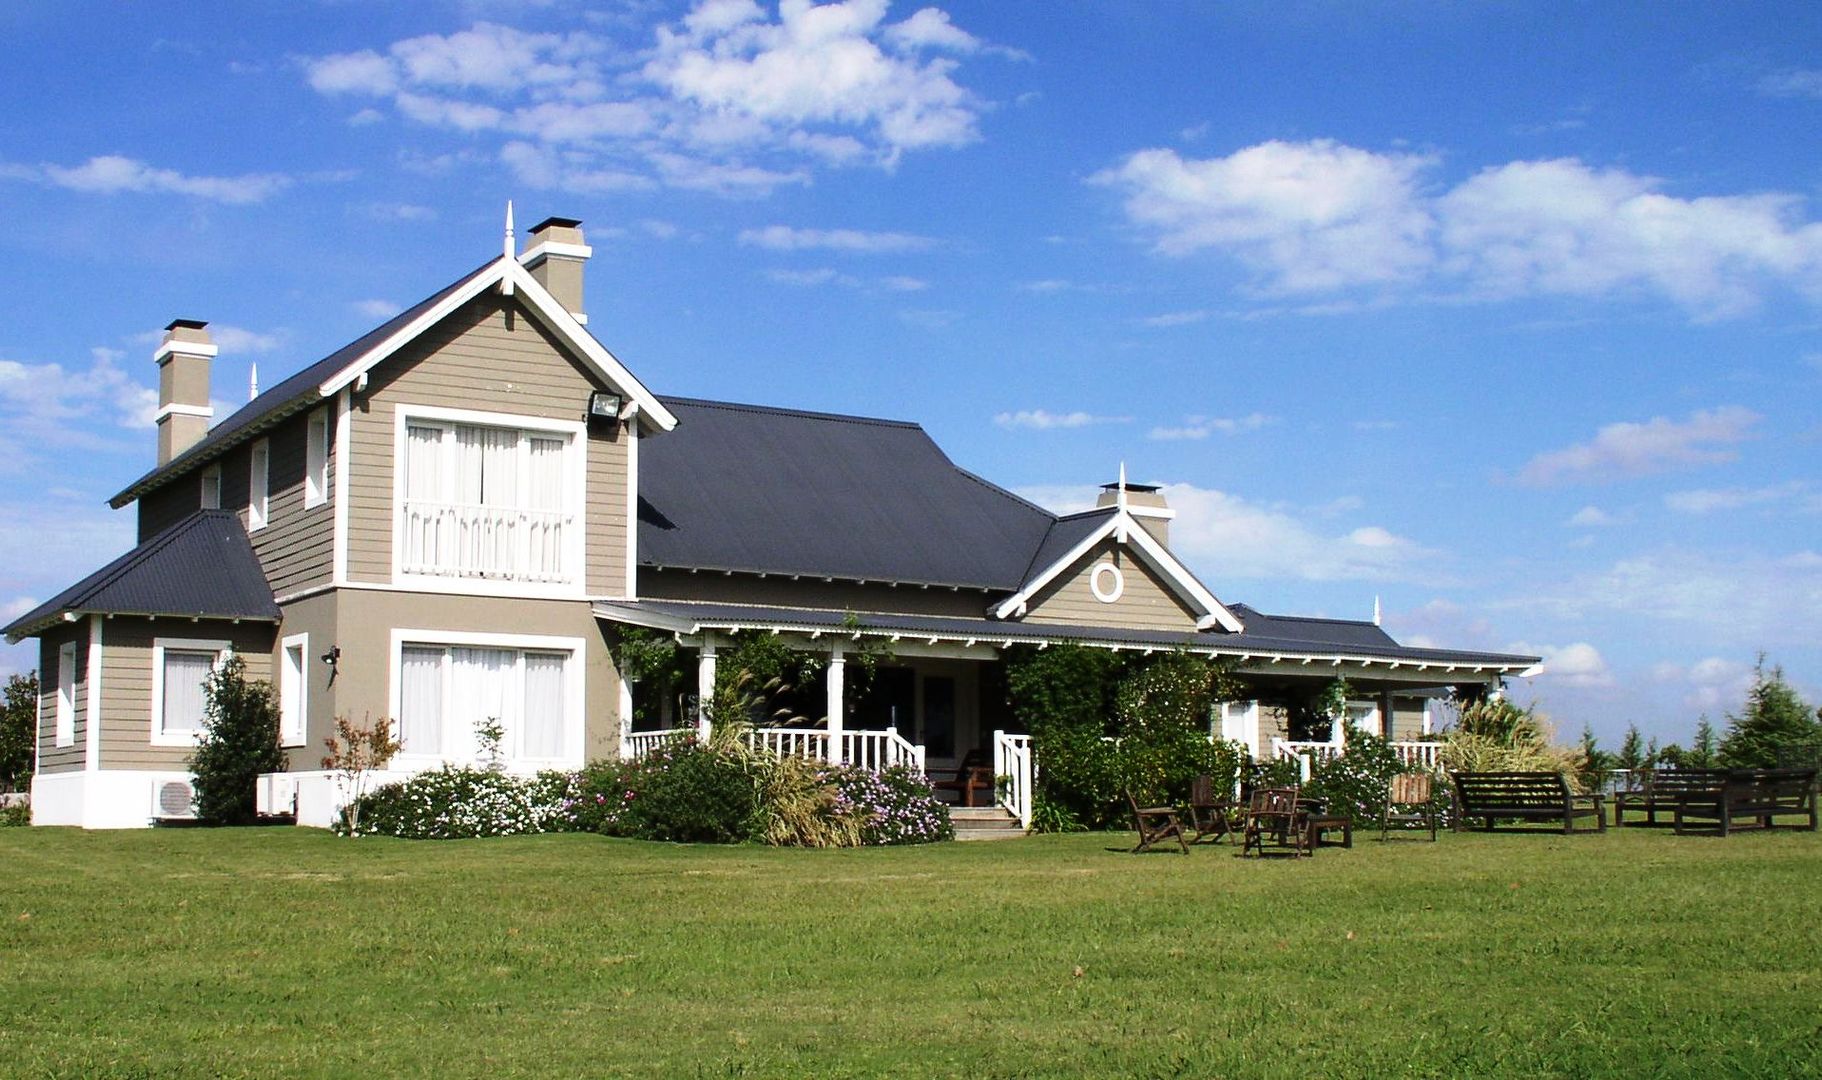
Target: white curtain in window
(185,674)
(483,682)
(544,495)
(427,528)
(544,711)
(421,701)
(500,463)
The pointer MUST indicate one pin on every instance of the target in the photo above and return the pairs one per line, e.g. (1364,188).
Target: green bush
(454,803)
(238,743)
(18,731)
(688,792)
(596,798)
(12,814)
(1354,784)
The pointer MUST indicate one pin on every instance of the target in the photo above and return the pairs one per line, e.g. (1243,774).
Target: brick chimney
(555,255)
(1143,501)
(183,386)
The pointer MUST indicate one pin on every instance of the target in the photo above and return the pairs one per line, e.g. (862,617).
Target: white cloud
(1575,664)
(1634,449)
(1591,517)
(902,283)
(51,401)
(819,276)
(1237,539)
(112,175)
(236,339)
(1174,318)
(1713,684)
(1322,216)
(1045,420)
(929,318)
(1791,82)
(1201,427)
(377,309)
(853,241)
(1709,500)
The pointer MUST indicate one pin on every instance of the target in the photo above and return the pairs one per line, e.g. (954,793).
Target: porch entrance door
(939,717)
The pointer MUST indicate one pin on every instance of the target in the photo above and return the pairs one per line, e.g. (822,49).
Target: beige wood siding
(810,593)
(1407,718)
(314,616)
(297,546)
(1146,602)
(488,356)
(51,757)
(126,682)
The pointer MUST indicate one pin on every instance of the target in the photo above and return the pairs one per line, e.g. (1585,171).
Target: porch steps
(984,823)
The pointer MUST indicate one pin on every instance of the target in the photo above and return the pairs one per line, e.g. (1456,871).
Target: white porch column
(626,719)
(705,686)
(1496,690)
(837,672)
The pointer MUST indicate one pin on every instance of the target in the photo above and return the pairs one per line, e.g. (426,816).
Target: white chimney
(183,360)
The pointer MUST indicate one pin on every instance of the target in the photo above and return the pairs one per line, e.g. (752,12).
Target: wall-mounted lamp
(331,658)
(605,405)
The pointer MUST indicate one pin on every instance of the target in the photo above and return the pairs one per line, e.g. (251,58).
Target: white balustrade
(1013,774)
(503,543)
(1423,755)
(879,750)
(641,743)
(790,742)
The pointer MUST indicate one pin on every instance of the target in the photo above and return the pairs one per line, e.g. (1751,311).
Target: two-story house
(451,518)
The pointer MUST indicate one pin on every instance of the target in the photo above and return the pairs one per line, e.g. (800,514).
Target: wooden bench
(1522,796)
(1662,789)
(1752,797)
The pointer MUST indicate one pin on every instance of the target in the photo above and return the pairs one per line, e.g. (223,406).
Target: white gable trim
(1129,534)
(512,279)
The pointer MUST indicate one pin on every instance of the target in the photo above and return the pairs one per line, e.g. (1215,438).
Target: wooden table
(1316,824)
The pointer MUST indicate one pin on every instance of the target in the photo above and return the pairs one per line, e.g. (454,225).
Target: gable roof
(201,567)
(320,381)
(754,489)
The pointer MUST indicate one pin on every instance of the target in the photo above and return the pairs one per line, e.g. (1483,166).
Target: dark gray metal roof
(780,491)
(288,396)
(201,567)
(1063,537)
(1345,642)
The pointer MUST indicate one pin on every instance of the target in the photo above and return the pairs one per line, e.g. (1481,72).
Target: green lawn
(286,951)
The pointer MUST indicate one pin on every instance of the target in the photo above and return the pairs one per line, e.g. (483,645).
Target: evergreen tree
(18,730)
(239,742)
(1702,752)
(1632,750)
(1776,724)
(1592,763)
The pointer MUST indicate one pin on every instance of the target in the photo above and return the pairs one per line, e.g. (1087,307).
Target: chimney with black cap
(183,359)
(555,255)
(1145,502)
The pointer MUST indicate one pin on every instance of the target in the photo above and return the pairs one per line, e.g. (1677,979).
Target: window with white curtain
(487,502)
(180,674)
(447,692)
(316,459)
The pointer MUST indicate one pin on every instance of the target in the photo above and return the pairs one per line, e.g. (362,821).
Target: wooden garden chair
(1409,800)
(1154,824)
(1274,812)
(1210,814)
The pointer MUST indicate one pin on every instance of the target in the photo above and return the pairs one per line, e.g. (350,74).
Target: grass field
(286,951)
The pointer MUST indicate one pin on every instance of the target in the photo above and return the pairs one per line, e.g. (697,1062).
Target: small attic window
(211,488)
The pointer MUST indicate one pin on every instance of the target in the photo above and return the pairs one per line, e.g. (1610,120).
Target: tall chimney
(1142,501)
(555,254)
(183,386)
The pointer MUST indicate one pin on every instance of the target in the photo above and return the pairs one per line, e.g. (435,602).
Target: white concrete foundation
(104,799)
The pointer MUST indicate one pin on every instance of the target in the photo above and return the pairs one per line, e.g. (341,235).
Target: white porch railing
(879,750)
(1426,755)
(1308,755)
(791,742)
(463,540)
(1013,774)
(641,743)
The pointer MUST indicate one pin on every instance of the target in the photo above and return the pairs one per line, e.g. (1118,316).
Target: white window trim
(259,485)
(576,465)
(300,707)
(65,734)
(574,688)
(210,481)
(316,458)
(159,645)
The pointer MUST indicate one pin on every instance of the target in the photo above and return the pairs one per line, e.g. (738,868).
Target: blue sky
(1507,314)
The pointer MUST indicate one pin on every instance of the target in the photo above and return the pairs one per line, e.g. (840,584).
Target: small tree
(1775,724)
(1592,763)
(355,752)
(18,730)
(1632,756)
(239,742)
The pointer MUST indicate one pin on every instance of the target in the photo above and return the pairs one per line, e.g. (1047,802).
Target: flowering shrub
(1355,783)
(899,806)
(689,792)
(596,799)
(454,803)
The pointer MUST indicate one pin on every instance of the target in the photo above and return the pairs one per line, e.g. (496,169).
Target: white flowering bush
(453,803)
(898,806)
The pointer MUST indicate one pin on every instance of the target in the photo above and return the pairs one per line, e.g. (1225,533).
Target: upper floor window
(211,488)
(259,479)
(486,502)
(316,459)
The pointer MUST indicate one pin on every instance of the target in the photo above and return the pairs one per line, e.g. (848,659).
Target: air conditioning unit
(173,800)
(276,794)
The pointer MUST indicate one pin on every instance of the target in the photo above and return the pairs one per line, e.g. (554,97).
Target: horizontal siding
(1145,603)
(810,593)
(51,757)
(490,357)
(1407,718)
(126,683)
(165,507)
(297,546)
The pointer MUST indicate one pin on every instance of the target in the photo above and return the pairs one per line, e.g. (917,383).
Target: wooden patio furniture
(1755,798)
(1315,825)
(1274,814)
(1155,824)
(1522,796)
(1662,790)
(1410,800)
(973,774)
(1209,813)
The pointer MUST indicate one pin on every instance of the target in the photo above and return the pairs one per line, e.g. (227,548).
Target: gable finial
(507,245)
(1120,494)
(1375,609)
(253,380)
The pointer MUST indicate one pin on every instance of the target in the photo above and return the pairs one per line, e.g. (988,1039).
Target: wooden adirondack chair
(1409,801)
(1209,813)
(1273,813)
(1155,824)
